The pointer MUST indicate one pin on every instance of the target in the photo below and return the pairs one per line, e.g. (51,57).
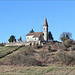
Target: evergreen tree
(12,38)
(50,37)
(20,39)
(32,31)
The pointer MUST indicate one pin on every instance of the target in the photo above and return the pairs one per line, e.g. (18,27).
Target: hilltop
(47,59)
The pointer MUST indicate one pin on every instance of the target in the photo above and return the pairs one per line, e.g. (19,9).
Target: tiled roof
(36,34)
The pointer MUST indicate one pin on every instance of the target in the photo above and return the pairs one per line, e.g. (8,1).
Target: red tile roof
(36,34)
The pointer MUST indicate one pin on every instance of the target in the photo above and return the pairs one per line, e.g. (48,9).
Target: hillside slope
(50,53)
(36,60)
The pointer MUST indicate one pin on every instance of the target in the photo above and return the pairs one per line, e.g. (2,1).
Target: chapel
(39,36)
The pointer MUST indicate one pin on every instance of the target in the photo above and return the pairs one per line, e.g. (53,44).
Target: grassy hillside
(8,51)
(36,60)
(4,50)
(37,70)
(50,53)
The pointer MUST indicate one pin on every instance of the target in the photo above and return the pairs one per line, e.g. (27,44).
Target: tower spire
(45,22)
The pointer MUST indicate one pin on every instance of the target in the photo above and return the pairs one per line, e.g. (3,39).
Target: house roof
(45,22)
(36,34)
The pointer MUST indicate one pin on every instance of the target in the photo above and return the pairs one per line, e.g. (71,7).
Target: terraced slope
(4,51)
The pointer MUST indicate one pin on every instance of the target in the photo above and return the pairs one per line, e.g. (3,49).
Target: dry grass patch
(36,70)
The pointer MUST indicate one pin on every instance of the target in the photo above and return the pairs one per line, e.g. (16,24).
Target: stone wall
(15,44)
(23,43)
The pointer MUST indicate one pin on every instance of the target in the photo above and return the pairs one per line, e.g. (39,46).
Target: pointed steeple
(45,22)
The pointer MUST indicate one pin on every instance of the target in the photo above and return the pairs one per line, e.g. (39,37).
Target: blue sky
(19,17)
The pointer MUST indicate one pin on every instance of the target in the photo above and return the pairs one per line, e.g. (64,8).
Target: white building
(38,37)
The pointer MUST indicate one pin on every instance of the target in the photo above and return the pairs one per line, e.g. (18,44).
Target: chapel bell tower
(45,30)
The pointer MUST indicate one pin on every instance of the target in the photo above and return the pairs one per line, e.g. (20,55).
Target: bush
(28,51)
(72,48)
(65,58)
(21,59)
(49,48)
(62,48)
(65,35)
(68,43)
(38,46)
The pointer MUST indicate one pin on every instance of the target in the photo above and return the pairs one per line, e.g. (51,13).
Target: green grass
(4,50)
(22,48)
(37,70)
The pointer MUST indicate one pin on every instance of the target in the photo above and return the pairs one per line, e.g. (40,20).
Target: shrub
(65,35)
(62,47)
(37,46)
(72,48)
(49,48)
(21,59)
(28,52)
(50,37)
(68,43)
(65,58)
